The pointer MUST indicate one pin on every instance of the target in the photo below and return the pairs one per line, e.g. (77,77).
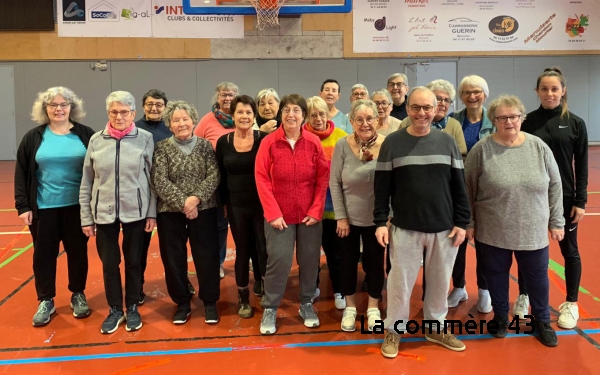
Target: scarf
(223,118)
(323,134)
(118,134)
(364,154)
(441,125)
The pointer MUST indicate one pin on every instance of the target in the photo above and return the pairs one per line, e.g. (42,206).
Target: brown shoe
(446,340)
(389,348)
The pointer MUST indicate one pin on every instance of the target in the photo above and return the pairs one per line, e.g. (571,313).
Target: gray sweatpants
(280,256)
(406,252)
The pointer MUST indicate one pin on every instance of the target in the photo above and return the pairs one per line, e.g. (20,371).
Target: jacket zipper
(139,196)
(96,205)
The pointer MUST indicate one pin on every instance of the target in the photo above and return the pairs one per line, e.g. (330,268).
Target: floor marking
(142,367)
(12,243)
(560,271)
(27,361)
(15,255)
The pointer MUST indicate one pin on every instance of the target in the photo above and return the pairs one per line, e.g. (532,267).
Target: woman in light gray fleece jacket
(515,193)
(116,193)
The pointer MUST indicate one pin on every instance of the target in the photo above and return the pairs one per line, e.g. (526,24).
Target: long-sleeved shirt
(211,129)
(515,193)
(399,111)
(158,129)
(424,177)
(453,128)
(568,139)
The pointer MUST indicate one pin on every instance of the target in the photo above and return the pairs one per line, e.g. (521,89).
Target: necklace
(364,154)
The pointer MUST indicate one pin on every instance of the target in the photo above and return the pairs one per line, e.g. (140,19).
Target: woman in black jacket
(47,178)
(566,134)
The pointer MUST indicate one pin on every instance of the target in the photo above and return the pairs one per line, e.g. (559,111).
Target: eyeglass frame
(124,114)
(360,94)
(504,119)
(448,101)
(380,104)
(360,121)
(157,105)
(421,107)
(230,95)
(396,84)
(475,93)
(54,106)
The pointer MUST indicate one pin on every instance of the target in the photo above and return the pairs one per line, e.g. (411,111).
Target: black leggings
(248,230)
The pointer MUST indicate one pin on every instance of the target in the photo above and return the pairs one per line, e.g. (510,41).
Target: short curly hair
(39,113)
(176,105)
(510,101)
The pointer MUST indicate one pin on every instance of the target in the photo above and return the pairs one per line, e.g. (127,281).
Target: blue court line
(28,361)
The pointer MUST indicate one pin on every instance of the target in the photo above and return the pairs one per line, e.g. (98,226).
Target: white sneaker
(456,296)
(349,319)
(484,301)
(373,315)
(521,307)
(316,295)
(221,272)
(569,314)
(267,323)
(309,315)
(340,302)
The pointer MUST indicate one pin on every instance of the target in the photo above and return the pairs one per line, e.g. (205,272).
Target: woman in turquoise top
(330,92)
(47,178)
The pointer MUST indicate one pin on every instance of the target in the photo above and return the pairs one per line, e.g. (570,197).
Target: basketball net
(267,12)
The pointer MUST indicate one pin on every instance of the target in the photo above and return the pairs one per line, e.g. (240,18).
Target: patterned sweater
(177,176)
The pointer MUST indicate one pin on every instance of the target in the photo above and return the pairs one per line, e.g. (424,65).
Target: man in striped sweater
(422,172)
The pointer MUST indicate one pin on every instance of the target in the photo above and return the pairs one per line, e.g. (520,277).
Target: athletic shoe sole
(129,329)
(82,315)
(41,324)
(121,320)
(445,346)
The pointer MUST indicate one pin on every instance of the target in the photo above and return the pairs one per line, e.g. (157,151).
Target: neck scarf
(364,154)
(441,125)
(118,134)
(223,118)
(322,134)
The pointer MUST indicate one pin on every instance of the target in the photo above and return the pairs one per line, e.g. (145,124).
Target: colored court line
(15,255)
(28,361)
(145,366)
(560,271)
(12,243)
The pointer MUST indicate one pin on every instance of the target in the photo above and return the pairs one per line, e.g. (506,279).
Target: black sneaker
(497,327)
(182,314)
(134,320)
(112,321)
(191,289)
(211,315)
(80,306)
(546,333)
(142,298)
(244,309)
(259,288)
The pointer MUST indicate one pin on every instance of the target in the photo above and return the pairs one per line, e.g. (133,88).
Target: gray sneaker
(44,311)
(112,321)
(308,313)
(267,323)
(80,306)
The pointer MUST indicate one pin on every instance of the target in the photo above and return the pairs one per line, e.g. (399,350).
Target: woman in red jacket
(292,175)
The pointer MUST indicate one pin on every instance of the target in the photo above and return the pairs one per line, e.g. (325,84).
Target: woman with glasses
(358,92)
(47,178)
(476,125)
(211,127)
(268,117)
(330,92)
(292,176)
(386,124)
(116,194)
(566,135)
(351,182)
(397,86)
(514,189)
(319,125)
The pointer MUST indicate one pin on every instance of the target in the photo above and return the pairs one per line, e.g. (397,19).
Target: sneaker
(142,298)
(349,319)
(308,313)
(259,288)
(373,315)
(500,329)
(134,320)
(244,309)
(316,295)
(340,301)
(569,314)
(112,321)
(211,316)
(221,272)
(456,296)
(521,307)
(43,314)
(545,333)
(389,348)
(182,314)
(484,301)
(80,306)
(267,323)
(191,289)
(447,340)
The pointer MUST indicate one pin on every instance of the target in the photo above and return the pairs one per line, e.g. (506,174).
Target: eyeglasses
(317,115)
(474,92)
(383,105)
(444,100)
(360,120)
(225,96)
(123,114)
(417,108)
(53,106)
(504,119)
(360,95)
(396,84)
(157,105)
(287,110)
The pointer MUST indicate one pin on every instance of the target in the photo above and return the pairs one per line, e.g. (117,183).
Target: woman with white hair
(116,194)
(397,85)
(47,178)
(358,92)
(268,117)
(185,176)
(386,124)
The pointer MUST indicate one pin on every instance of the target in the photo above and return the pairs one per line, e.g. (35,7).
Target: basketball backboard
(244,7)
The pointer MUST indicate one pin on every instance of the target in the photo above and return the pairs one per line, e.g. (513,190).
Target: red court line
(142,367)
(558,282)
(12,243)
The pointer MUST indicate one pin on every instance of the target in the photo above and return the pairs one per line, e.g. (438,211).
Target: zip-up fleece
(116,179)
(291,183)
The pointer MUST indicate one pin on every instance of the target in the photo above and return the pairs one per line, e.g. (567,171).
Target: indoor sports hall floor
(234,345)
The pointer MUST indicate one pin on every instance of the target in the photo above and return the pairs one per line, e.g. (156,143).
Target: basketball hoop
(267,12)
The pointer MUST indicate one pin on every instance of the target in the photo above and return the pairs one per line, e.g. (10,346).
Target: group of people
(398,174)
